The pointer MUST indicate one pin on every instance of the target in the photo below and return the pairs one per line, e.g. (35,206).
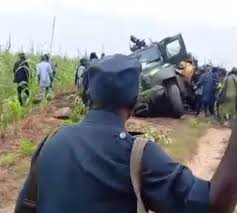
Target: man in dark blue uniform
(85,167)
(208,84)
(22,77)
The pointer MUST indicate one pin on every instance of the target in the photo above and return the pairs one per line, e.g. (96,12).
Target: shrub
(197,124)
(158,135)
(78,109)
(27,148)
(7,160)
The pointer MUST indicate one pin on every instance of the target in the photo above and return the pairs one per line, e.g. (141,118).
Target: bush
(197,124)
(7,160)
(158,135)
(27,148)
(78,110)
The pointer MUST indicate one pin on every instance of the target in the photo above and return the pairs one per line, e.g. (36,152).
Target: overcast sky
(209,27)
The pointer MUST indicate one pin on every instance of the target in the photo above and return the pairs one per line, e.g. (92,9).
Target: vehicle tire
(175,100)
(141,110)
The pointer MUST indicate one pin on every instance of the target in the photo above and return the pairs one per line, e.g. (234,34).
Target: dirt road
(203,163)
(210,151)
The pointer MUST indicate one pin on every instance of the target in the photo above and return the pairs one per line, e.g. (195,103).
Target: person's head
(93,56)
(22,56)
(102,55)
(43,58)
(84,62)
(46,57)
(114,84)
(234,71)
(208,68)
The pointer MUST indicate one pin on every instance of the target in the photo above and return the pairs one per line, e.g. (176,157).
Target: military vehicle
(163,86)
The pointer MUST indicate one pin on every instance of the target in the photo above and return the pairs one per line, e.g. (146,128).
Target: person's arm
(50,72)
(223,192)
(169,186)
(76,76)
(200,81)
(15,67)
(27,71)
(38,73)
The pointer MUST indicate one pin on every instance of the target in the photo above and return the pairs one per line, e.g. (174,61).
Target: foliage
(7,160)
(198,124)
(68,122)
(27,148)
(78,109)
(157,135)
(10,110)
(185,138)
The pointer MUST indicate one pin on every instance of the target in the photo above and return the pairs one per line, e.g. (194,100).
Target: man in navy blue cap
(85,167)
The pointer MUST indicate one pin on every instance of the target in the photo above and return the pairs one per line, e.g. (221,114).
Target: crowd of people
(46,73)
(216,91)
(206,82)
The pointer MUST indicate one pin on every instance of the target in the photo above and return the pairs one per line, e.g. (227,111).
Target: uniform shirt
(44,71)
(85,168)
(21,71)
(207,82)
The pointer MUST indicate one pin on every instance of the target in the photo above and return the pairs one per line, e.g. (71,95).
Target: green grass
(27,148)
(180,141)
(185,139)
(7,160)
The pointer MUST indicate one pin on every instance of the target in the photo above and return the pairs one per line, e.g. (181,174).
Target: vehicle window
(149,55)
(173,49)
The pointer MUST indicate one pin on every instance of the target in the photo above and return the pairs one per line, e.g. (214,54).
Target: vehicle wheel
(175,100)
(141,110)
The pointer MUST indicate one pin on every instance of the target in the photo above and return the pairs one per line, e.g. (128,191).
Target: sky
(209,27)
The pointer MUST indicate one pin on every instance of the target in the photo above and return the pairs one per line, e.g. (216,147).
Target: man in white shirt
(44,72)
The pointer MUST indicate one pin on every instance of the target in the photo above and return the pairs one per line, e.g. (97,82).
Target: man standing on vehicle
(21,77)
(44,71)
(86,167)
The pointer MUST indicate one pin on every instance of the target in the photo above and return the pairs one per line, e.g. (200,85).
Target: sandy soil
(210,151)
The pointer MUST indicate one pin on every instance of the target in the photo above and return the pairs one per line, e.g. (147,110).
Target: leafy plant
(78,109)
(68,122)
(27,148)
(7,160)
(197,124)
(158,135)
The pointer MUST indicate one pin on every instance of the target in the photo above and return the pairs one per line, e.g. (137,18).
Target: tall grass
(10,110)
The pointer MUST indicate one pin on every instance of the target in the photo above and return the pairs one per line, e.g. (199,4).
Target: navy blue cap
(114,80)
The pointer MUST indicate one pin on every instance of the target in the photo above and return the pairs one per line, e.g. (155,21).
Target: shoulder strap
(135,171)
(30,200)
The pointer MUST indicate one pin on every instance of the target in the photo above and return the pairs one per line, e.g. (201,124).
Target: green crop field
(10,110)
